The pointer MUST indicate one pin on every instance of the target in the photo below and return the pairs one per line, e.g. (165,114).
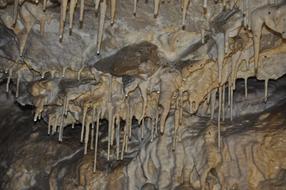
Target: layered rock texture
(162,95)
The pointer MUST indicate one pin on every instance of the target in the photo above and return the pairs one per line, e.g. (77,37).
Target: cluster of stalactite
(101,7)
(167,90)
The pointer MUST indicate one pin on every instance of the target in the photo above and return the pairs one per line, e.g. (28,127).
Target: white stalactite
(103,7)
(63,17)
(72,10)
(266,90)
(113,10)
(156,7)
(185,9)
(96,140)
(134,7)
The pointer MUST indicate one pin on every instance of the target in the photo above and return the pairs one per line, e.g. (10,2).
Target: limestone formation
(167,65)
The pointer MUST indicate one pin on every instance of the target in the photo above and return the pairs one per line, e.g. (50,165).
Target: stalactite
(55,125)
(62,125)
(86,137)
(213,100)
(64,72)
(223,102)
(130,121)
(219,116)
(205,5)
(113,130)
(110,122)
(228,94)
(97,3)
(266,90)
(15,12)
(44,5)
(124,141)
(79,73)
(219,39)
(156,122)
(81,12)
(96,140)
(83,122)
(113,10)
(101,25)
(9,79)
(134,7)
(203,35)
(246,13)
(49,124)
(117,137)
(42,25)
(176,124)
(53,72)
(72,10)
(245,87)
(185,9)
(153,125)
(156,7)
(231,103)
(142,128)
(92,127)
(18,83)
(64,4)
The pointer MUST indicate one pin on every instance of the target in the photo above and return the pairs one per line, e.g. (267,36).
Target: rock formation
(138,84)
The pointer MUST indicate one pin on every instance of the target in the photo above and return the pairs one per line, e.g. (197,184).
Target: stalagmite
(64,4)
(83,122)
(245,87)
(266,90)
(113,10)
(72,10)
(96,140)
(101,25)
(81,12)
(185,9)
(134,7)
(156,7)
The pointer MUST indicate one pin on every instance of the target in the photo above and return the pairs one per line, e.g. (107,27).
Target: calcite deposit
(151,89)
